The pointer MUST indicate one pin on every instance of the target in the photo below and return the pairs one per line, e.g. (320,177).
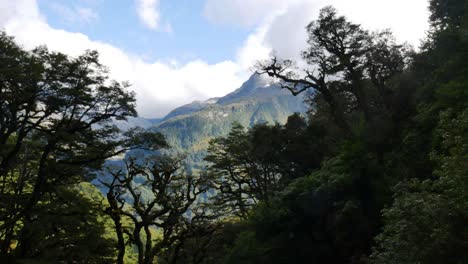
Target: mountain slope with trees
(188,129)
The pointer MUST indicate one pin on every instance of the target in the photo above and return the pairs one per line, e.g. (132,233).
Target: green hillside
(256,101)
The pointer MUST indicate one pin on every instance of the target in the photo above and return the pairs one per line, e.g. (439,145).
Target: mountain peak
(257,87)
(259,81)
(253,87)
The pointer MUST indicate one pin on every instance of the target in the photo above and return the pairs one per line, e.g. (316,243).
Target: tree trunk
(148,250)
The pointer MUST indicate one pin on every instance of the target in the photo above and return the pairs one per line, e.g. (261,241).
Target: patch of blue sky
(191,35)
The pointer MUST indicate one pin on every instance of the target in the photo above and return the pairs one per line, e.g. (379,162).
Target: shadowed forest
(376,171)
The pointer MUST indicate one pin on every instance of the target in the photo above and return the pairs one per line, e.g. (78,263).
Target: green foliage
(427,221)
(157,199)
(56,128)
(249,167)
(447,13)
(245,250)
(318,218)
(243,173)
(69,226)
(391,184)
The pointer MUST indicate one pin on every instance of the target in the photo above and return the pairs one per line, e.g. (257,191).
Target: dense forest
(376,172)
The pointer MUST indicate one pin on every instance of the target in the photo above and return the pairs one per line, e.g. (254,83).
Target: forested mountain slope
(189,128)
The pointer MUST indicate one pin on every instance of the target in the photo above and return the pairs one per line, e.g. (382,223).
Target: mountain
(132,122)
(189,128)
(189,108)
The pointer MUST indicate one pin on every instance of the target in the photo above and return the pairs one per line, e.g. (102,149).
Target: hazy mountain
(133,122)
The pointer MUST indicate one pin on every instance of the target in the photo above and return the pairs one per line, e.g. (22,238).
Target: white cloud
(159,86)
(243,12)
(281,24)
(407,19)
(82,15)
(148,12)
(87,13)
(254,48)
(286,33)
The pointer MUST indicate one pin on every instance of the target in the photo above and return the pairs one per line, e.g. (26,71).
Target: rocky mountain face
(189,128)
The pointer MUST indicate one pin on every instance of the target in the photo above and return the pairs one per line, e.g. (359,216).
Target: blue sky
(191,35)
(176,51)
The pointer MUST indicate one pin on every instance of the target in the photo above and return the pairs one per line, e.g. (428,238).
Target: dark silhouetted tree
(160,201)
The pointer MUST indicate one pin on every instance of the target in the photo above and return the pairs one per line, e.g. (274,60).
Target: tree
(161,202)
(441,76)
(55,127)
(245,168)
(251,166)
(304,145)
(361,104)
(427,221)
(447,14)
(392,185)
(343,60)
(68,225)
